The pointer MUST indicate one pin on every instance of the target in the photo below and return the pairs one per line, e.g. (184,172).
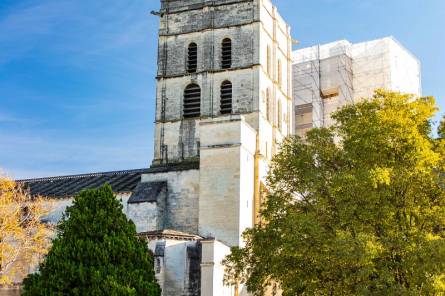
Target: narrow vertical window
(280,115)
(268,105)
(192,58)
(280,73)
(269,61)
(192,101)
(226,54)
(226,97)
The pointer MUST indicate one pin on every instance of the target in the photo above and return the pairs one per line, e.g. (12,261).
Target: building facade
(328,76)
(223,105)
(223,101)
(225,82)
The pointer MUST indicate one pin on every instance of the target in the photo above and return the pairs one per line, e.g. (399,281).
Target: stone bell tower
(223,100)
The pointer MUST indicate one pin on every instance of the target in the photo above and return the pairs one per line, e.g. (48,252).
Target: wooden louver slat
(192,58)
(226,54)
(226,98)
(192,101)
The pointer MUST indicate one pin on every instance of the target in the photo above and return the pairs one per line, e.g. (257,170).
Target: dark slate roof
(147,192)
(65,186)
(120,181)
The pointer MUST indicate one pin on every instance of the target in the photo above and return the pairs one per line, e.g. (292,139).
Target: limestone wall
(182,136)
(275,79)
(226,179)
(261,63)
(212,271)
(58,207)
(175,266)
(198,15)
(181,204)
(172,59)
(145,216)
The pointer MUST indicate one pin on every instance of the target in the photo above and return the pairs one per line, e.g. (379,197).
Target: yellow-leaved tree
(354,209)
(24,239)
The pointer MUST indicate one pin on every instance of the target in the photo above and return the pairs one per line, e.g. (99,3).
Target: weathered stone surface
(216,196)
(182,17)
(181,203)
(177,265)
(226,179)
(261,55)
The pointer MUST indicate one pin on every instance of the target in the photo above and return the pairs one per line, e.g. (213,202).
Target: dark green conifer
(96,252)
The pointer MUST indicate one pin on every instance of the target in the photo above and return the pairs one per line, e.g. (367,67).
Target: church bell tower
(223,100)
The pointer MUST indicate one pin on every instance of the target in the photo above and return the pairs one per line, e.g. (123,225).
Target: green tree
(96,252)
(355,209)
(441,129)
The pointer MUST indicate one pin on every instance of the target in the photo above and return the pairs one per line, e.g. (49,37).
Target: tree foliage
(355,209)
(441,129)
(23,238)
(96,252)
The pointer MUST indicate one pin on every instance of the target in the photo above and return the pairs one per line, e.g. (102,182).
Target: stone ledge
(169,234)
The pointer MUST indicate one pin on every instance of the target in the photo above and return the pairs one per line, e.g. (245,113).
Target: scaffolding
(322,82)
(329,76)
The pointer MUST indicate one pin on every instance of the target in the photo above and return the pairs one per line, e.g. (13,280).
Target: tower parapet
(174,5)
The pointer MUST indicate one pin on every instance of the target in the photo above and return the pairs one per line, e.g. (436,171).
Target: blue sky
(77,83)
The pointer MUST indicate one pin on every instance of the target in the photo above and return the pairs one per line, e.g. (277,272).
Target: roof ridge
(97,174)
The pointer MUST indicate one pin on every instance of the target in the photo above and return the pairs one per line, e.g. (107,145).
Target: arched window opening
(226,54)
(192,101)
(226,97)
(192,58)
